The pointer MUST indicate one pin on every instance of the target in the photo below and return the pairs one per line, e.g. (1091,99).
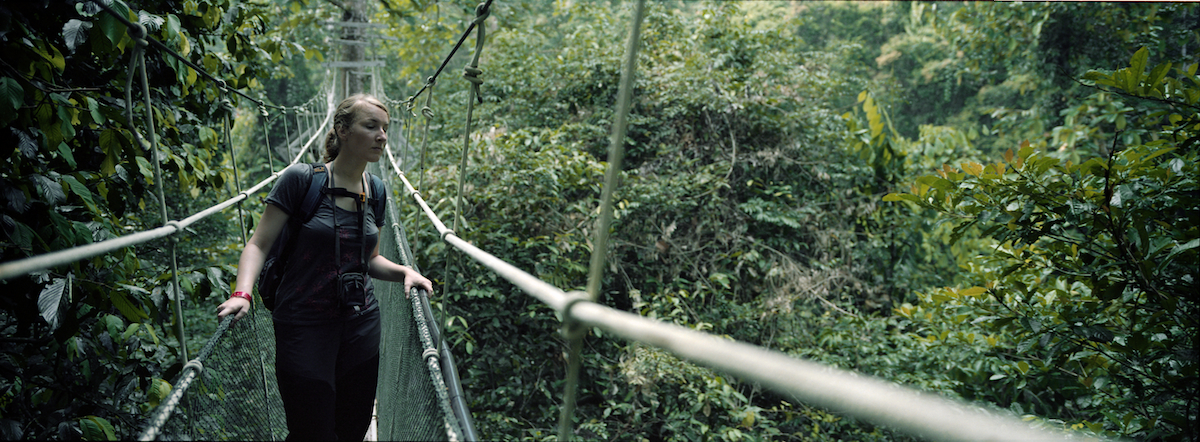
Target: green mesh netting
(408,404)
(234,396)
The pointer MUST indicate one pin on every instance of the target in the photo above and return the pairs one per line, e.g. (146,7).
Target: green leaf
(1095,76)
(50,299)
(152,22)
(26,144)
(893,197)
(50,190)
(1157,74)
(1156,154)
(65,151)
(153,334)
(96,428)
(159,389)
(1183,248)
(126,306)
(208,138)
(82,191)
(935,182)
(75,33)
(12,96)
(112,29)
(1137,66)
(130,331)
(146,169)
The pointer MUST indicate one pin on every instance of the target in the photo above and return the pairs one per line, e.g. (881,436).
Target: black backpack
(272,272)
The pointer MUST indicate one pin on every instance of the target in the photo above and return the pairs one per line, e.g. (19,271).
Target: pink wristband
(243,295)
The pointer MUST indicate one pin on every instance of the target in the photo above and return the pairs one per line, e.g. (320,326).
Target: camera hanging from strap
(352,287)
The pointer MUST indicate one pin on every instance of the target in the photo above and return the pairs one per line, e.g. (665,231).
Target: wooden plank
(355,64)
(356,24)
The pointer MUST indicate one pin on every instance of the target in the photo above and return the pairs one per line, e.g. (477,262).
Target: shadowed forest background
(990,201)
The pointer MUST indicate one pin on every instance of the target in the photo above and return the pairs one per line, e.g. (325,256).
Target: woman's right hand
(234,305)
(251,262)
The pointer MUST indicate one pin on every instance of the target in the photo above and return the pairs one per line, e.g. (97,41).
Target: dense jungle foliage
(993,202)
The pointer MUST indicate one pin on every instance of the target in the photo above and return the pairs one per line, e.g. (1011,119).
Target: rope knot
(429,353)
(138,33)
(427,112)
(194,364)
(472,74)
(571,326)
(481,13)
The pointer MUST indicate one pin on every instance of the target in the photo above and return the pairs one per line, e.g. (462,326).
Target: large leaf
(96,428)
(50,299)
(51,191)
(159,389)
(12,96)
(152,22)
(19,233)
(1137,66)
(130,309)
(16,200)
(82,191)
(25,143)
(10,429)
(75,33)
(113,29)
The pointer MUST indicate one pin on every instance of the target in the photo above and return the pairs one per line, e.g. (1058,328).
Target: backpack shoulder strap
(313,196)
(378,197)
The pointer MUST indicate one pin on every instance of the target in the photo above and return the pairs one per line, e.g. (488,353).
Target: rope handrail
(192,369)
(44,261)
(439,361)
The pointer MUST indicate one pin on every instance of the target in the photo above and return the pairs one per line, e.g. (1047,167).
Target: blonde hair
(344,116)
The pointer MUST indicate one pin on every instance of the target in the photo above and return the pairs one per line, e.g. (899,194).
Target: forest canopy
(995,202)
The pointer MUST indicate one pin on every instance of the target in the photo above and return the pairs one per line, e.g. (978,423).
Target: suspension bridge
(226,391)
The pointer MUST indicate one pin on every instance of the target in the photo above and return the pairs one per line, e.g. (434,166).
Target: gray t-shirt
(307,294)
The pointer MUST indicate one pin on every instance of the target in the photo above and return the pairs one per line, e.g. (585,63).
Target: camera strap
(360,199)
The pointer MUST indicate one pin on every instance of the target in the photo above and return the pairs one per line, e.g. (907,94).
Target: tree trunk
(351,78)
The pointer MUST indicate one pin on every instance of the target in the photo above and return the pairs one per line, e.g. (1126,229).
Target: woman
(327,348)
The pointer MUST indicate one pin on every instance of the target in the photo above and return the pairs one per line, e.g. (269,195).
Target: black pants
(327,376)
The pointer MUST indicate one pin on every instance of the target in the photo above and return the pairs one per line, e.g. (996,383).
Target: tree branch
(340,5)
(1127,94)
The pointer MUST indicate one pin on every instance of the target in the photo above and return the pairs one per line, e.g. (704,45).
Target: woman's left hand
(413,279)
